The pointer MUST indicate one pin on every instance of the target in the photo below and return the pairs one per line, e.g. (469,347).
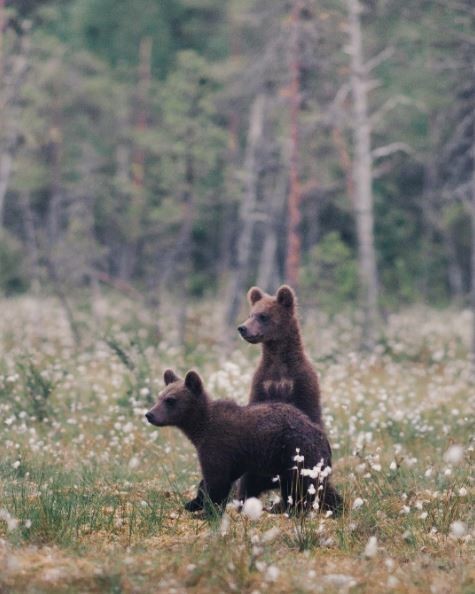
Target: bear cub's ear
(286,296)
(254,295)
(169,377)
(193,383)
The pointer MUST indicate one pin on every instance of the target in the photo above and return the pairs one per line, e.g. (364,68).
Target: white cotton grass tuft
(371,547)
(272,573)
(134,462)
(311,490)
(252,508)
(357,503)
(458,529)
(454,455)
(11,522)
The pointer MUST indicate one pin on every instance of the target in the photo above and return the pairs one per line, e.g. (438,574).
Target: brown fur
(232,440)
(284,373)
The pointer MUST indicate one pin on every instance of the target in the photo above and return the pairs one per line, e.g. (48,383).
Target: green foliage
(330,276)
(13,270)
(38,388)
(134,358)
(63,507)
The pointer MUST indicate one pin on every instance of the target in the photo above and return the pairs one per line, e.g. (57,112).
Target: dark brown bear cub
(267,440)
(284,373)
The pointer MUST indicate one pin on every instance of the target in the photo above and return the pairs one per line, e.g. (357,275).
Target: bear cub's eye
(263,317)
(170,401)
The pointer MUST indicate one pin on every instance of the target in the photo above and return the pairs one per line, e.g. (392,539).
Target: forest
(192,148)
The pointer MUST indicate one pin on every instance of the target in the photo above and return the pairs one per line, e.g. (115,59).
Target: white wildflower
(454,455)
(252,508)
(458,529)
(389,563)
(357,503)
(311,490)
(371,547)
(462,491)
(423,515)
(134,462)
(272,573)
(12,523)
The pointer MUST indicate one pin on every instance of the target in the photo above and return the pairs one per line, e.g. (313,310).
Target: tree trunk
(55,202)
(472,205)
(266,276)
(182,248)
(293,232)
(31,241)
(362,178)
(136,207)
(247,208)
(6,161)
(454,272)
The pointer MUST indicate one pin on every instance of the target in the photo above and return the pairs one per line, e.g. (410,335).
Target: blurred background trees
(195,147)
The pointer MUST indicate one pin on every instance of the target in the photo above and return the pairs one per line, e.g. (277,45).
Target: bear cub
(284,373)
(267,440)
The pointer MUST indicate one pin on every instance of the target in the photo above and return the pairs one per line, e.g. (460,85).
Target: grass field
(91,495)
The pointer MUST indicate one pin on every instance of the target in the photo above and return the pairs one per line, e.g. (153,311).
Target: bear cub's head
(178,400)
(269,316)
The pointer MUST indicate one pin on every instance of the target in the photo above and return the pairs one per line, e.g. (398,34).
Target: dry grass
(91,497)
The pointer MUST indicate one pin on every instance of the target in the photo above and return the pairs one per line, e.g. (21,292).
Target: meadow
(91,495)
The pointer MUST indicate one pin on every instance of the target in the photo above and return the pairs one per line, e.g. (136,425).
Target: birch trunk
(293,233)
(247,208)
(362,179)
(267,275)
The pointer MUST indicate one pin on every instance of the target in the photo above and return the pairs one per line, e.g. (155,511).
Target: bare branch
(390,149)
(379,59)
(391,104)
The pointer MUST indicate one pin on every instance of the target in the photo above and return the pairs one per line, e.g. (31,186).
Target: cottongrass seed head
(252,508)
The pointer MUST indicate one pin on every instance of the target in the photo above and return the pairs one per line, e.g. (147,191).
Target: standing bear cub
(267,440)
(284,373)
